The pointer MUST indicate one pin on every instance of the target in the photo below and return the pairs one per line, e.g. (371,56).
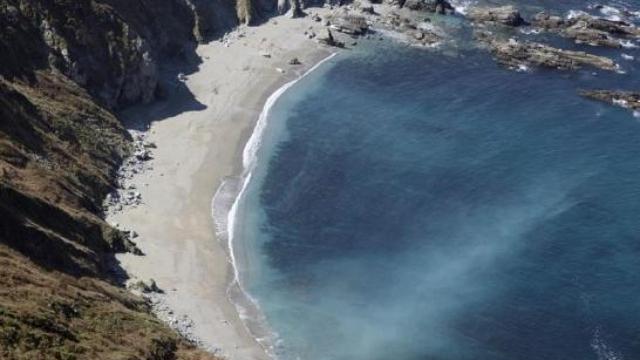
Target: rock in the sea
(416,34)
(503,15)
(547,21)
(434,6)
(519,54)
(626,99)
(581,33)
(587,29)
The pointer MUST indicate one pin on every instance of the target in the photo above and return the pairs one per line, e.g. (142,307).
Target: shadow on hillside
(174,96)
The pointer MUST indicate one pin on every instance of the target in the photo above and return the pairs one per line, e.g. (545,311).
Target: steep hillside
(65,66)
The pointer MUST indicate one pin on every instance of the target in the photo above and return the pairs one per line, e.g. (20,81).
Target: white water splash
(628,57)
(602,349)
(462,6)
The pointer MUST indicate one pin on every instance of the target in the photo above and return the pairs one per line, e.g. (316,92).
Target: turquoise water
(410,204)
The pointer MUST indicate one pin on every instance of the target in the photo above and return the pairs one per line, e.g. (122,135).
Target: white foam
(248,311)
(253,144)
(628,57)
(611,13)
(621,102)
(628,44)
(530,31)
(572,14)
(602,349)
(462,6)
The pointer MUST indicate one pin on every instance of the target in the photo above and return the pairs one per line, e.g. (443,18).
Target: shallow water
(413,205)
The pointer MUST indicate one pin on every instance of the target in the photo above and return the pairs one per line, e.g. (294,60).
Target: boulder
(434,6)
(326,37)
(503,15)
(547,21)
(145,287)
(350,24)
(366,7)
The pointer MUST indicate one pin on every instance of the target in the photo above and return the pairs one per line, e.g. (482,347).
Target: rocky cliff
(65,67)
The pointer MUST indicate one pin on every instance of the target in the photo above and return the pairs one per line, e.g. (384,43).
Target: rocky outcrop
(626,99)
(350,24)
(127,74)
(326,37)
(293,7)
(504,15)
(434,6)
(587,29)
(522,54)
(65,66)
(417,34)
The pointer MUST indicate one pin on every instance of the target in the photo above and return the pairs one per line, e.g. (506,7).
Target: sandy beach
(200,135)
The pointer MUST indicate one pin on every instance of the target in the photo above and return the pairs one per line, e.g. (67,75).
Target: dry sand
(200,135)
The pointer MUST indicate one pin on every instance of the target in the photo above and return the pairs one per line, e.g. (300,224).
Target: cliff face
(65,65)
(59,151)
(109,47)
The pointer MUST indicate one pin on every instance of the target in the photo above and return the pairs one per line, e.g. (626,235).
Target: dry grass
(49,315)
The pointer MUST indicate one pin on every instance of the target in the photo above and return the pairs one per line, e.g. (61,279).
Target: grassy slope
(59,152)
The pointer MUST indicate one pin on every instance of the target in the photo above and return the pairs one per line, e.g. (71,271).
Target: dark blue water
(414,205)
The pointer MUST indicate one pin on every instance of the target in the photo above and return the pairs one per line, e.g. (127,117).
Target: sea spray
(407,210)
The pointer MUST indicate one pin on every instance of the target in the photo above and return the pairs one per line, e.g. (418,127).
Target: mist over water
(413,205)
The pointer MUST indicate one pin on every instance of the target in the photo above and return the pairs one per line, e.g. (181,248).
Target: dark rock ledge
(518,54)
(588,29)
(504,15)
(626,99)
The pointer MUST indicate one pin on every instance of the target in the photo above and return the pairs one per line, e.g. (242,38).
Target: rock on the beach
(326,37)
(293,7)
(146,287)
(350,24)
(518,54)
(626,99)
(366,7)
(504,15)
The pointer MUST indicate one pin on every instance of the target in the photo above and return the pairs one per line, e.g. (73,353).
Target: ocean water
(419,204)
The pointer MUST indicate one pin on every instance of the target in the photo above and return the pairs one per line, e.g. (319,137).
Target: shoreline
(245,303)
(200,136)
